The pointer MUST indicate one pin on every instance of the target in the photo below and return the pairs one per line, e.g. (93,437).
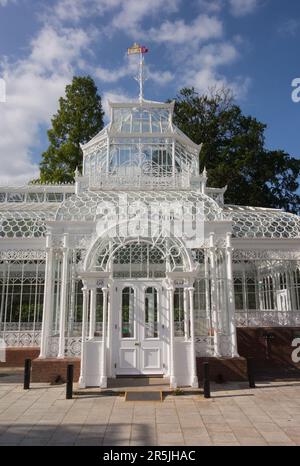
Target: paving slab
(235,415)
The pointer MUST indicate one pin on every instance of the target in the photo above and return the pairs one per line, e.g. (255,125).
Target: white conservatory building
(140,268)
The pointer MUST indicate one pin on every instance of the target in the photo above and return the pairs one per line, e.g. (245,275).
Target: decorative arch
(105,248)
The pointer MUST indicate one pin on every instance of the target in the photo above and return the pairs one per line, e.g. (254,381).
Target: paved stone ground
(235,415)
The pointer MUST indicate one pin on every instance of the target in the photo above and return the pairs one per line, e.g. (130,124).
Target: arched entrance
(138,328)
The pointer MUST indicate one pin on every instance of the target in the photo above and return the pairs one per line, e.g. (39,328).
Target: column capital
(170,288)
(211,240)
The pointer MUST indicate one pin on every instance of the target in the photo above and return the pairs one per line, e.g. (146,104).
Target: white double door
(137,328)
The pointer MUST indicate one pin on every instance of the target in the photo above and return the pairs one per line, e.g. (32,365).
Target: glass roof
(257,222)
(141,120)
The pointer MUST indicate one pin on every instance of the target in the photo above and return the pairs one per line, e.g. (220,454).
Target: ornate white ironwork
(86,205)
(141,148)
(22,254)
(204,346)
(267,319)
(143,156)
(24,222)
(32,194)
(155,255)
(21,339)
(21,326)
(264,254)
(73,346)
(256,222)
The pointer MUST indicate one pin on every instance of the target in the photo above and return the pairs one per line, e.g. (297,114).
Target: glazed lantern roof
(140,147)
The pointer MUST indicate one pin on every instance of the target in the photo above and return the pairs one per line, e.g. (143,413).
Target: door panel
(151,359)
(151,345)
(128,358)
(139,331)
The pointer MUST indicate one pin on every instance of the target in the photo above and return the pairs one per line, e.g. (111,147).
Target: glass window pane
(151,329)
(128,313)
(251,301)
(178,312)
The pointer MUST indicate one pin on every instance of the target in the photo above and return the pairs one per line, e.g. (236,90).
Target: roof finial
(140,78)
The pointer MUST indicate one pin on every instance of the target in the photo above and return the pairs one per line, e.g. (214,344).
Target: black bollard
(27,369)
(250,372)
(206,382)
(69,386)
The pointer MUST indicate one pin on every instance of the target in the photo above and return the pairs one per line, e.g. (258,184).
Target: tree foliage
(79,118)
(234,151)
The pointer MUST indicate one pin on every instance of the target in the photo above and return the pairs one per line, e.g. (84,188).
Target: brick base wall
(15,357)
(272,356)
(223,369)
(49,370)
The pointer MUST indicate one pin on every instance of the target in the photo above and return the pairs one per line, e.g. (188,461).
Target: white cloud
(33,88)
(202,72)
(52,50)
(75,10)
(126,15)
(133,12)
(34,84)
(178,32)
(213,55)
(130,68)
(211,6)
(6,2)
(115,95)
(207,78)
(243,7)
(289,27)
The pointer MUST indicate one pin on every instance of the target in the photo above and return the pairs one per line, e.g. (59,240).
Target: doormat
(144,396)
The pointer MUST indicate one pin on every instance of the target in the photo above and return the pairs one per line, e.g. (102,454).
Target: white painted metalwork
(256,222)
(65,254)
(262,318)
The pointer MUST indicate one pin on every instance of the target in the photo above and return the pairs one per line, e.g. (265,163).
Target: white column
(173,163)
(92,312)
(85,293)
(48,298)
(173,383)
(291,290)
(63,297)
(214,311)
(72,297)
(276,287)
(194,378)
(56,308)
(103,377)
(260,292)
(230,297)
(207,295)
(109,330)
(3,296)
(186,314)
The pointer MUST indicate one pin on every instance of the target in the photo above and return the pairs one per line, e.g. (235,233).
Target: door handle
(137,343)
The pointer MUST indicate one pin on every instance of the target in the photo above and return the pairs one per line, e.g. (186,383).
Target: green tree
(234,151)
(79,118)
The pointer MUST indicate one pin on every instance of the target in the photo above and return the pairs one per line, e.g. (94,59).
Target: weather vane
(140,78)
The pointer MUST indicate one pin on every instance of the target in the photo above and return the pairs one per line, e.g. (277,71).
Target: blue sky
(248,45)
